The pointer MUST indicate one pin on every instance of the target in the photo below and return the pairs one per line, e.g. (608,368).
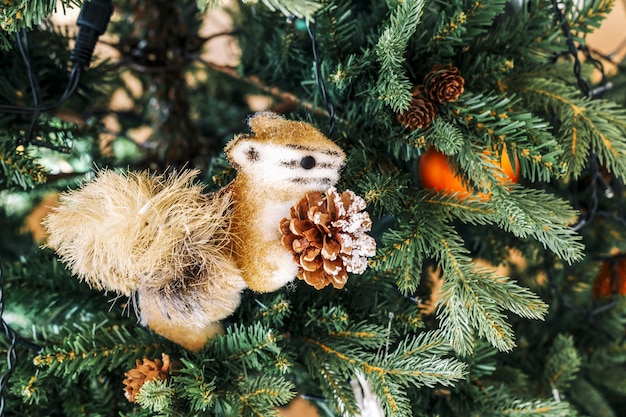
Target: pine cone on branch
(144,371)
(421,111)
(327,235)
(444,83)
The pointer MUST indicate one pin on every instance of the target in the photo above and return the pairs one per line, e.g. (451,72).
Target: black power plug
(93,21)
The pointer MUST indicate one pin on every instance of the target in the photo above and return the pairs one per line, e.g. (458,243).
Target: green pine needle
(155,395)
(562,363)
(394,87)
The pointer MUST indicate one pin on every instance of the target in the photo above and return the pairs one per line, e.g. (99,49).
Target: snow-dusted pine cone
(143,372)
(327,235)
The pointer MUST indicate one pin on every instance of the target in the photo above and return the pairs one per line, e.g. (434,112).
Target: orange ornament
(437,174)
(605,285)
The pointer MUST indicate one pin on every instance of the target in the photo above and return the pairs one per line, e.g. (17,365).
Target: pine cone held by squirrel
(327,235)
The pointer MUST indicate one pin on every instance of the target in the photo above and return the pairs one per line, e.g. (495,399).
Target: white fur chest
(270,216)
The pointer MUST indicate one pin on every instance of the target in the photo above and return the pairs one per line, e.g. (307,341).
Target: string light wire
(22,44)
(573,49)
(596,179)
(319,78)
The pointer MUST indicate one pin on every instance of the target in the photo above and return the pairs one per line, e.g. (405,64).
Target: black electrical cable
(319,79)
(22,44)
(93,21)
(583,84)
(72,85)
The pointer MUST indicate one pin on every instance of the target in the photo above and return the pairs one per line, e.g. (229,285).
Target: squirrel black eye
(307,162)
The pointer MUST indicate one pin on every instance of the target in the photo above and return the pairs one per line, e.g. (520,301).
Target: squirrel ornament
(185,256)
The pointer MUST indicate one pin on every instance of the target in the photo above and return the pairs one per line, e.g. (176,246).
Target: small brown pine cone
(327,235)
(444,83)
(143,372)
(421,111)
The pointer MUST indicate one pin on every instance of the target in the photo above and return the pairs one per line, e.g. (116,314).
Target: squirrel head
(286,155)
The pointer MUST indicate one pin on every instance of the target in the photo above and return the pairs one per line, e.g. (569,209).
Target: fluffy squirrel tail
(156,235)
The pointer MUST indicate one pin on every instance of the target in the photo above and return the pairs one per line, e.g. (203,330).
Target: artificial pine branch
(492,120)
(19,15)
(594,402)
(562,363)
(458,24)
(403,252)
(195,388)
(589,16)
(585,126)
(548,219)
(498,403)
(44,275)
(94,349)
(20,168)
(393,83)
(305,9)
(259,396)
(390,370)
(464,308)
(156,396)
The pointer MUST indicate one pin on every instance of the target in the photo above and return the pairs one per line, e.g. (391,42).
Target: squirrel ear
(242,150)
(264,122)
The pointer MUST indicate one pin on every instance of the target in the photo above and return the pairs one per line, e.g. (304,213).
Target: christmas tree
(486,140)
